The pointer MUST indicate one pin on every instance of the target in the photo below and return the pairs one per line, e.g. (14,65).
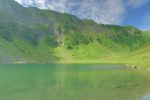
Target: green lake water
(73,82)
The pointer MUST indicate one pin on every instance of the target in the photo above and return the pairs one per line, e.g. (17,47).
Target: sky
(118,12)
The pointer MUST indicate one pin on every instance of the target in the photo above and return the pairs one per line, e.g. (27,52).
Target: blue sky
(120,12)
(138,16)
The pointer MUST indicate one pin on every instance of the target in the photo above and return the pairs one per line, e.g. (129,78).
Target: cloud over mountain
(101,11)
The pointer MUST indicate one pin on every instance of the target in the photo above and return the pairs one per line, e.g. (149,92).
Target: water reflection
(73,82)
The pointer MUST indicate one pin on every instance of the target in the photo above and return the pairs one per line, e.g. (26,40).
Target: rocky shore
(137,67)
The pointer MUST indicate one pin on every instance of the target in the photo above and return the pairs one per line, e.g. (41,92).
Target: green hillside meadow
(31,35)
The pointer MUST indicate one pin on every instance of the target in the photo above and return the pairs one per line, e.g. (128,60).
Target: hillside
(140,56)
(32,35)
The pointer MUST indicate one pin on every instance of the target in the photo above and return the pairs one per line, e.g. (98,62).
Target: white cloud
(37,3)
(101,11)
(106,11)
(137,3)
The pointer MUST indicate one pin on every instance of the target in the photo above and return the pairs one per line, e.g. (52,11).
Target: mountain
(32,35)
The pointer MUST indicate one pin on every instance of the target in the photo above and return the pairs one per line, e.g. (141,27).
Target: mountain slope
(140,56)
(32,35)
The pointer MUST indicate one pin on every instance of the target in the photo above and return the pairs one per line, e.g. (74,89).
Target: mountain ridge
(43,36)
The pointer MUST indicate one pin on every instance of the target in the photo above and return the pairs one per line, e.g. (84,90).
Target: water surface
(72,82)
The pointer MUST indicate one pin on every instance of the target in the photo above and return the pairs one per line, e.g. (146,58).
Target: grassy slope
(99,53)
(139,57)
(34,35)
(93,53)
(21,52)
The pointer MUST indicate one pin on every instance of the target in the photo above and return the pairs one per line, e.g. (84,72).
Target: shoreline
(68,62)
(138,67)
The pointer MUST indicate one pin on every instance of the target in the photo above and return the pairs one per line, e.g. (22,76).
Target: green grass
(43,36)
(20,51)
(140,57)
(106,51)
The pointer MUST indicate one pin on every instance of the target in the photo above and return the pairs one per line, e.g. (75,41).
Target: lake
(73,82)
